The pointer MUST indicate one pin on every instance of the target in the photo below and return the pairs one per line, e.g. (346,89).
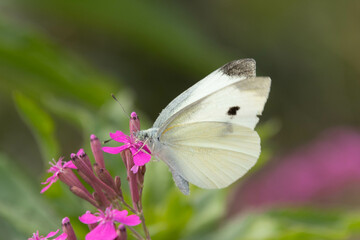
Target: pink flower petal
(69,164)
(120,137)
(45,188)
(59,162)
(140,158)
(116,150)
(89,218)
(80,152)
(147,149)
(135,169)
(51,234)
(34,236)
(50,180)
(53,169)
(62,236)
(131,220)
(119,214)
(103,231)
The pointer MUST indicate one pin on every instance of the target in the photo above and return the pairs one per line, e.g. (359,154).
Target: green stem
(147,234)
(128,206)
(136,234)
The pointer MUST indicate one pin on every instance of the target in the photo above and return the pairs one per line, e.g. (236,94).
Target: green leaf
(21,204)
(32,64)
(154,28)
(40,124)
(290,224)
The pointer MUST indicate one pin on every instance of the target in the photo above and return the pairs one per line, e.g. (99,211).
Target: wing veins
(224,149)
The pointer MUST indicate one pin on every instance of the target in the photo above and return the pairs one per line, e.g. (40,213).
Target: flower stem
(128,206)
(136,234)
(147,234)
(142,217)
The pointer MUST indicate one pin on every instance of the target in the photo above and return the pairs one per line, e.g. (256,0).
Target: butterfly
(206,135)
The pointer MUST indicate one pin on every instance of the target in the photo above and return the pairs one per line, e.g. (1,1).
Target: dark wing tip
(242,67)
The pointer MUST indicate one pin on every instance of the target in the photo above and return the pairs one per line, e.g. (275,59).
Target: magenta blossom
(56,168)
(36,236)
(106,229)
(324,171)
(140,152)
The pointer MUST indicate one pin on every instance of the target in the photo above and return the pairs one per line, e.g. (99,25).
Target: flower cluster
(36,236)
(105,222)
(58,169)
(111,220)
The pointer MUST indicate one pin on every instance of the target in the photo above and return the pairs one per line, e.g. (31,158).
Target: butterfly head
(147,136)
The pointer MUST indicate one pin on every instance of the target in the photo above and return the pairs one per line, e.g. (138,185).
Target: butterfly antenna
(106,141)
(113,96)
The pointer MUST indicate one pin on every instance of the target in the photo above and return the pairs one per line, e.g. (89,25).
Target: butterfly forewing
(239,103)
(228,74)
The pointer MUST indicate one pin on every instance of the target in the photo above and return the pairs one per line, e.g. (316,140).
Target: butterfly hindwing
(210,154)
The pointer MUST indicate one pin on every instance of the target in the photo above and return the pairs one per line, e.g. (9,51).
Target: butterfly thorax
(149,137)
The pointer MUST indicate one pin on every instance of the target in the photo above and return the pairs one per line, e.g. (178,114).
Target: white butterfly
(206,135)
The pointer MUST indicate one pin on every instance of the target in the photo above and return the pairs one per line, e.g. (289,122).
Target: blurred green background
(60,60)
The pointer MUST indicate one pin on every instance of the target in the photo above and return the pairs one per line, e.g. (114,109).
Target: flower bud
(118,185)
(134,124)
(81,194)
(67,228)
(97,152)
(82,155)
(121,232)
(68,177)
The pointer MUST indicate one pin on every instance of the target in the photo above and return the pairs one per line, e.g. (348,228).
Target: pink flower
(106,230)
(140,152)
(36,236)
(56,168)
(324,171)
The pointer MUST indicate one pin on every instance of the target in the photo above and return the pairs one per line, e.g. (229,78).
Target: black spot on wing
(242,67)
(233,110)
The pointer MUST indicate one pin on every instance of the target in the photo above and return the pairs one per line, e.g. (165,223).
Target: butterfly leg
(180,182)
